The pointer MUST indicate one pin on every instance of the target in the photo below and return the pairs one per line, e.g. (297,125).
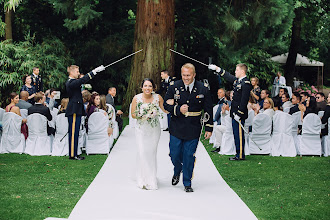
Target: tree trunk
(8,22)
(154,33)
(294,46)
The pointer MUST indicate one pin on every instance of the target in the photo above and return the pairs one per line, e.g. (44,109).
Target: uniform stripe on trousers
(73,131)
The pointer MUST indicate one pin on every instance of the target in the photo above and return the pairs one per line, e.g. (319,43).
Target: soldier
(75,108)
(164,84)
(185,100)
(238,111)
(36,80)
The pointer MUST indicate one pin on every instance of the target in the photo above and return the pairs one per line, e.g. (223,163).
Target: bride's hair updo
(150,80)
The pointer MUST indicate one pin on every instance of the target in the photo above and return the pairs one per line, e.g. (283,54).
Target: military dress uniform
(242,89)
(185,129)
(75,110)
(163,89)
(37,82)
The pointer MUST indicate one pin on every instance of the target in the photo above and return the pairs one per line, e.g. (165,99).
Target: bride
(145,108)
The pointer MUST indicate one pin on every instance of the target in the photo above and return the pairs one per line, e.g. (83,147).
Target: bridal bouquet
(147,112)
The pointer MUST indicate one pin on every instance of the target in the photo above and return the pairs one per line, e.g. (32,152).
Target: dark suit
(325,119)
(41,109)
(242,89)
(185,129)
(321,106)
(37,82)
(164,85)
(294,109)
(75,110)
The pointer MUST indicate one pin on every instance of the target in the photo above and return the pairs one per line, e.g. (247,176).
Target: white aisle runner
(114,195)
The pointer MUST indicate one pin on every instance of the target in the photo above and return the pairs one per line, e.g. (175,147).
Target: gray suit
(23,104)
(110,100)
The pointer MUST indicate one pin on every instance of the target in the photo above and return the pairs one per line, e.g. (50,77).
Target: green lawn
(272,187)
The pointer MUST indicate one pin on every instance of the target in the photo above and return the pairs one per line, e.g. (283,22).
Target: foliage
(18,59)
(2,27)
(11,4)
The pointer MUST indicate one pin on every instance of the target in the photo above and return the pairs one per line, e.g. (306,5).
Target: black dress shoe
(188,189)
(175,180)
(165,129)
(235,158)
(77,158)
(217,150)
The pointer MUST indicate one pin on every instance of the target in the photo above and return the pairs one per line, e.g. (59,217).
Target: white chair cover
(212,138)
(38,142)
(98,141)
(115,133)
(261,130)
(286,110)
(283,143)
(326,142)
(320,114)
(12,140)
(2,112)
(131,120)
(82,136)
(61,148)
(24,113)
(163,120)
(247,124)
(55,110)
(53,121)
(309,143)
(296,121)
(228,143)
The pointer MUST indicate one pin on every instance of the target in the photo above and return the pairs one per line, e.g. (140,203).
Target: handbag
(25,130)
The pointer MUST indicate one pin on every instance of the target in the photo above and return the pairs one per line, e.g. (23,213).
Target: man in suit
(164,84)
(185,100)
(295,102)
(23,101)
(321,104)
(263,95)
(304,96)
(40,107)
(75,108)
(110,99)
(238,111)
(36,80)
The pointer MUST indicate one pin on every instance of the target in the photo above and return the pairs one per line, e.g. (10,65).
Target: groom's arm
(173,109)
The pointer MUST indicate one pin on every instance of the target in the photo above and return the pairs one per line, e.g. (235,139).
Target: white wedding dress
(147,138)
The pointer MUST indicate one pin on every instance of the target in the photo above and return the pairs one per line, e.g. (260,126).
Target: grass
(272,187)
(279,187)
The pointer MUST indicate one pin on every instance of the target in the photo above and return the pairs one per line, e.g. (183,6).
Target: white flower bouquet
(147,112)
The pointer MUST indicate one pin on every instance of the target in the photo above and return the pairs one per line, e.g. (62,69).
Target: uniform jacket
(188,128)
(242,89)
(164,85)
(76,105)
(37,83)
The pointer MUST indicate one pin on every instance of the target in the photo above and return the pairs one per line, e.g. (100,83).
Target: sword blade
(123,58)
(189,57)
(248,134)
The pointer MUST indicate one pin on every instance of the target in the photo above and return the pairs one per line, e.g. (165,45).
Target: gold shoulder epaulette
(247,81)
(206,85)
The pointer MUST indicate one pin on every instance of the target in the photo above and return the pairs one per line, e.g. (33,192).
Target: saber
(123,58)
(63,137)
(205,118)
(245,131)
(189,57)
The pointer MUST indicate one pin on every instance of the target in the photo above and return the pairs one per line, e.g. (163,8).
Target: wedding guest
(281,92)
(268,108)
(304,97)
(220,129)
(255,92)
(251,102)
(36,79)
(217,116)
(325,117)
(50,100)
(309,108)
(86,96)
(29,88)
(277,105)
(14,99)
(320,102)
(286,101)
(264,94)
(23,101)
(93,104)
(296,98)
(109,113)
(40,107)
(279,79)
(64,105)
(110,98)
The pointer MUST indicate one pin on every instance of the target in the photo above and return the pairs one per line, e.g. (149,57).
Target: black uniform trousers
(239,138)
(74,127)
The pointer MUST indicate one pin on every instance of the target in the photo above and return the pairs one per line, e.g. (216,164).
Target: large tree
(10,6)
(154,33)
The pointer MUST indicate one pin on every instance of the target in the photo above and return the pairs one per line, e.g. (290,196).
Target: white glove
(214,67)
(98,69)
(236,117)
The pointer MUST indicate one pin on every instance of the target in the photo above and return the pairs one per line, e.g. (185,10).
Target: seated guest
(281,92)
(286,101)
(86,95)
(321,104)
(222,99)
(309,108)
(268,108)
(110,98)
(109,112)
(279,79)
(51,103)
(40,106)
(296,98)
(23,101)
(251,102)
(277,105)
(255,92)
(325,118)
(29,88)
(64,104)
(264,94)
(93,104)
(220,129)
(12,105)
(304,97)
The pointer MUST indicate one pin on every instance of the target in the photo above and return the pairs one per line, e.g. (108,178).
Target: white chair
(2,111)
(247,124)
(131,120)
(228,143)
(260,135)
(286,110)
(12,140)
(163,120)
(82,136)
(326,142)
(309,143)
(320,114)
(283,143)
(115,133)
(98,141)
(212,138)
(24,113)
(38,142)
(61,139)
(296,121)
(55,111)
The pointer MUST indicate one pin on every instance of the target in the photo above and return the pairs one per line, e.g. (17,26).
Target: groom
(185,100)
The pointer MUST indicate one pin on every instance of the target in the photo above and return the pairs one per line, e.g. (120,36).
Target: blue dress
(31,91)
